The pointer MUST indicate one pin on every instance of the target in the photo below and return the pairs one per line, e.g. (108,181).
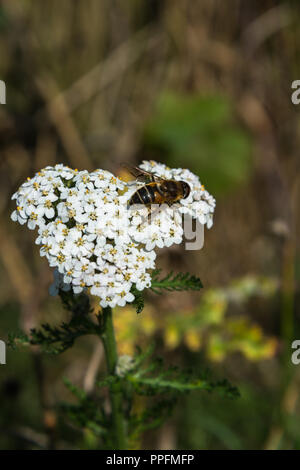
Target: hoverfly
(157,190)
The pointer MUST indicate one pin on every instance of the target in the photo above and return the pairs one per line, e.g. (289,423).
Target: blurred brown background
(198,84)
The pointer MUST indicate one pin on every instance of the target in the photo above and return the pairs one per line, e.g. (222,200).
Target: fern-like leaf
(153,378)
(174,282)
(55,339)
(86,413)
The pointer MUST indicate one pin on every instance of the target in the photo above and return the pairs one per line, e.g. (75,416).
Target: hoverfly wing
(140,173)
(134,170)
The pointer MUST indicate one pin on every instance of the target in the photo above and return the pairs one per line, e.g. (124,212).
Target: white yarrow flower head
(165,225)
(82,232)
(90,236)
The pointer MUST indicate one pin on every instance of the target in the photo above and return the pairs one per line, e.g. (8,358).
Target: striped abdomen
(146,195)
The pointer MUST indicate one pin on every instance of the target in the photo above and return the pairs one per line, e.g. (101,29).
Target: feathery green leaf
(174,282)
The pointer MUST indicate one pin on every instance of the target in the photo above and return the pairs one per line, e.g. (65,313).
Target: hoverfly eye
(186,190)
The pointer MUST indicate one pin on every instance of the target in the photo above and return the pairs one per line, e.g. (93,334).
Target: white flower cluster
(166,227)
(88,234)
(82,232)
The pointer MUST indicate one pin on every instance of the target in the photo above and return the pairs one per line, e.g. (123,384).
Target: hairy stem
(110,347)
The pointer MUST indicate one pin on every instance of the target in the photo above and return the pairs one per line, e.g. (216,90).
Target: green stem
(110,347)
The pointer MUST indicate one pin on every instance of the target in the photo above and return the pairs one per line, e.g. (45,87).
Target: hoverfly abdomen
(144,195)
(135,199)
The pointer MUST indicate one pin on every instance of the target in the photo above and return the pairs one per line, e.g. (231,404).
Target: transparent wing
(140,173)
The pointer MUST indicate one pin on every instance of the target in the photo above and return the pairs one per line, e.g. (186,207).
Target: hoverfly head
(186,189)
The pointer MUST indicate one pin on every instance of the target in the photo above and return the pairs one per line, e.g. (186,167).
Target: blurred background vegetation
(198,84)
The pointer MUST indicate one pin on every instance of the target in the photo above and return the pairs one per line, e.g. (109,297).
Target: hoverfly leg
(152,213)
(147,218)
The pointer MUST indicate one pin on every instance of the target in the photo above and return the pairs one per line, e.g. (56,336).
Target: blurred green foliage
(141,375)
(201,132)
(219,325)
(242,424)
(18,389)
